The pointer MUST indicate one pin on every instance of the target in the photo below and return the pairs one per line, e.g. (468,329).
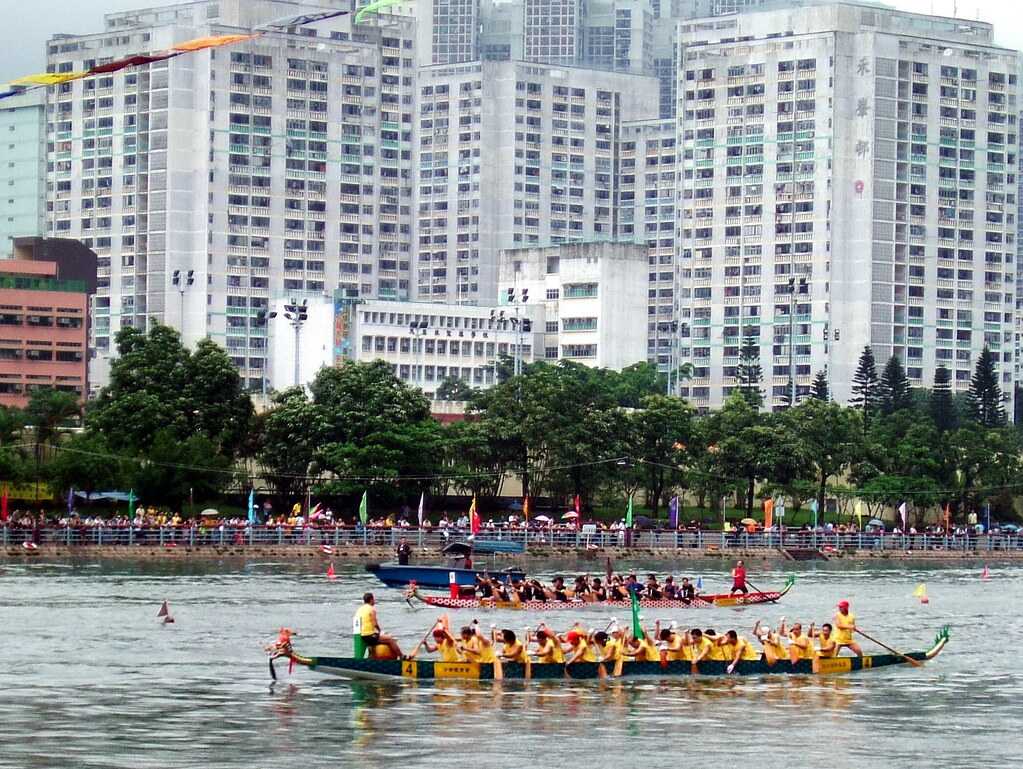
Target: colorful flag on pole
(364,508)
(902,515)
(71,500)
(673,513)
(474,517)
(948,518)
(3,505)
(131,502)
(859,513)
(525,508)
(422,503)
(628,514)
(214,41)
(252,506)
(813,507)
(578,512)
(375,7)
(768,513)
(637,628)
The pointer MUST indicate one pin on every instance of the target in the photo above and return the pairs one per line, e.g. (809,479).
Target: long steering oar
(897,653)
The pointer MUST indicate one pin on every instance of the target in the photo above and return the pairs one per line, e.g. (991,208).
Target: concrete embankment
(586,560)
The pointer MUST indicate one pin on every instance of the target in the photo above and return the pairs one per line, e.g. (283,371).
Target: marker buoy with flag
(330,571)
(921,593)
(985,575)
(165,615)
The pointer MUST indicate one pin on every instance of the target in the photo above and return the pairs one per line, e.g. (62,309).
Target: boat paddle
(910,660)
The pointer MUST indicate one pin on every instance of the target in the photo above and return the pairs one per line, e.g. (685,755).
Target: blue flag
(673,513)
(699,583)
(71,500)
(252,507)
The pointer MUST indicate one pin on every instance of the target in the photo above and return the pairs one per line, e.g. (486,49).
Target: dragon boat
(426,670)
(700,602)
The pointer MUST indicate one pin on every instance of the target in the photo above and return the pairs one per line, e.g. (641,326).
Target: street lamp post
(792,321)
(297,314)
(181,286)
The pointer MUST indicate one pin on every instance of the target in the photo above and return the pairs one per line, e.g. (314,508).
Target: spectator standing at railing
(404,552)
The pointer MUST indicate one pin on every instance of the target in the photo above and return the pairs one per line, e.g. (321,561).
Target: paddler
(672,643)
(739,578)
(512,650)
(739,648)
(368,628)
(826,646)
(770,641)
(547,647)
(800,643)
(717,652)
(611,646)
(642,649)
(698,647)
(476,647)
(579,646)
(845,626)
(445,644)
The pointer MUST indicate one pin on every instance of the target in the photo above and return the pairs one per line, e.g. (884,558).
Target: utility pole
(792,323)
(181,286)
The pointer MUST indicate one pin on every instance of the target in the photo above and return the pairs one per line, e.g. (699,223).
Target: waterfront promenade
(375,544)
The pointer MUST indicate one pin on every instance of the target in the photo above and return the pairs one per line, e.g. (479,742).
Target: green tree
(175,470)
(819,390)
(636,382)
(156,385)
(749,373)
(744,442)
(85,462)
(453,389)
(48,410)
(474,457)
(942,405)
(865,385)
(831,437)
(893,393)
(663,429)
(290,434)
(985,395)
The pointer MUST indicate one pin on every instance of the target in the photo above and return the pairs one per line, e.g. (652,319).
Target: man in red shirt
(739,578)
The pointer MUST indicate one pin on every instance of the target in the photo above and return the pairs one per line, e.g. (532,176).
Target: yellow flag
(859,513)
(921,591)
(202,43)
(49,78)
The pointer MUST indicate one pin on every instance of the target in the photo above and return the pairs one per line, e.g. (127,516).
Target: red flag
(330,571)
(578,512)
(474,517)
(948,519)
(525,509)
(3,505)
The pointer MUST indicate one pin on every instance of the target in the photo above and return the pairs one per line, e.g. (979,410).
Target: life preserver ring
(29,546)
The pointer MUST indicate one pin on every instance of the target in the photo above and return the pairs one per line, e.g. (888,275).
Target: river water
(91,679)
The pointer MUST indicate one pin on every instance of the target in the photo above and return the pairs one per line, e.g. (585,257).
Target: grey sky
(27,25)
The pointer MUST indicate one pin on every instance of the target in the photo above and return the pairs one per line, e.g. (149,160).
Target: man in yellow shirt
(672,644)
(717,651)
(512,649)
(741,648)
(367,626)
(476,647)
(825,642)
(698,648)
(800,643)
(579,647)
(845,626)
(548,649)
(771,641)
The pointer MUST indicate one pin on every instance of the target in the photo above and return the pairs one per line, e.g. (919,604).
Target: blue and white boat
(438,577)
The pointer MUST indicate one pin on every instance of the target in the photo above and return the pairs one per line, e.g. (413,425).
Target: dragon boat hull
(700,602)
(426,670)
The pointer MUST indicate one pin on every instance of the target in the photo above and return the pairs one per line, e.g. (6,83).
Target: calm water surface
(90,679)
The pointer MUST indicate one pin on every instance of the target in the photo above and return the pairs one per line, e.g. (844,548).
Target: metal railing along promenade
(646,539)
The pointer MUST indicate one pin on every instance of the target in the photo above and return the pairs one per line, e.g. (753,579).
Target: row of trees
(174,423)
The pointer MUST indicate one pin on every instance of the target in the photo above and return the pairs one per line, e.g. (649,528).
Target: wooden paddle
(910,660)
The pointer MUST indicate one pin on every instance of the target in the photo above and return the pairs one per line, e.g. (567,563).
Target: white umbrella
(542,519)
(210,511)
(569,516)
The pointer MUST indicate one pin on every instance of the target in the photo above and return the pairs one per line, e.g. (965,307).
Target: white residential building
(268,168)
(867,151)
(594,297)
(514,154)
(22,168)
